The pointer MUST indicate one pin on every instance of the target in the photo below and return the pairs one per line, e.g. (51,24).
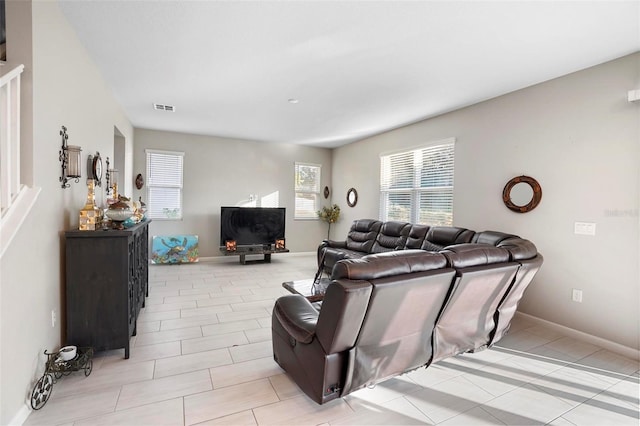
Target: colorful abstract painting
(174,249)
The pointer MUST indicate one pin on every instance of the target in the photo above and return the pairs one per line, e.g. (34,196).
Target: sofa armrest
(298,316)
(334,244)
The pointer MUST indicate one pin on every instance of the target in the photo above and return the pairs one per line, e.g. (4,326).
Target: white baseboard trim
(589,338)
(21,416)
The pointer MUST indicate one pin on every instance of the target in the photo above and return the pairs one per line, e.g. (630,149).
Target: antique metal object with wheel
(56,367)
(42,391)
(88,367)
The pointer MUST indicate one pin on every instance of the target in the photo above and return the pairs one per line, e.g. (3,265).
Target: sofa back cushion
(484,274)
(343,309)
(509,304)
(491,237)
(396,333)
(416,236)
(468,255)
(519,248)
(439,237)
(363,234)
(392,236)
(375,266)
(467,320)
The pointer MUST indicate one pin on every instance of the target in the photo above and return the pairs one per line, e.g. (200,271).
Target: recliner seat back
(509,303)
(409,288)
(525,253)
(416,236)
(439,237)
(392,236)
(483,276)
(363,234)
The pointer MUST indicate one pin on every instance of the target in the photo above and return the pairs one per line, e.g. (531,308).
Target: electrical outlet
(576,295)
(54,318)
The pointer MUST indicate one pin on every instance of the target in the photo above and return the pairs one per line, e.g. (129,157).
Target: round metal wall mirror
(352,197)
(522,194)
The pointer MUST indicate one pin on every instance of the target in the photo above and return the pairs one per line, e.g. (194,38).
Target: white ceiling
(357,68)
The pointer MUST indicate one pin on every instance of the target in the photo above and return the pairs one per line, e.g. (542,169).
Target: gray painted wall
(63,88)
(580,138)
(224,172)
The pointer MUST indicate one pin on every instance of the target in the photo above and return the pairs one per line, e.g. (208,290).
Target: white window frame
(415,192)
(307,191)
(151,183)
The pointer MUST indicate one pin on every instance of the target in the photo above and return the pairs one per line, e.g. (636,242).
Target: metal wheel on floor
(42,391)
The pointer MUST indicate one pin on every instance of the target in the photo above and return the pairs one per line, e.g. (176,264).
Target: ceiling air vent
(161,107)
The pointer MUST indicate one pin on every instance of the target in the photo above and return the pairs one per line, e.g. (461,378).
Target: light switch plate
(584,228)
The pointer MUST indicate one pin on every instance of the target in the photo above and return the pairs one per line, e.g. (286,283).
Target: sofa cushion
(429,246)
(362,234)
(382,265)
(447,235)
(520,249)
(392,236)
(333,256)
(297,316)
(343,309)
(491,237)
(396,334)
(416,236)
(468,255)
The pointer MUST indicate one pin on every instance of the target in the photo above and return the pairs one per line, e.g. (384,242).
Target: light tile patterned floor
(203,356)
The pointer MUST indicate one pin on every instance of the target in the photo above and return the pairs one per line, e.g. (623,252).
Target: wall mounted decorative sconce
(108,178)
(69,156)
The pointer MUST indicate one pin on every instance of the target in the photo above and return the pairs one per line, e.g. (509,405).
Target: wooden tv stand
(244,251)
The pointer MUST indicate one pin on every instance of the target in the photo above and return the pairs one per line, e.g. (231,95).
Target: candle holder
(112,186)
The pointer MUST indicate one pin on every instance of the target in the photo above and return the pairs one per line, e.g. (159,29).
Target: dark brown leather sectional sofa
(402,296)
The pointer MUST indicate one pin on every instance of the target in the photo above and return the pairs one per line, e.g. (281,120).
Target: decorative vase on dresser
(90,215)
(107,281)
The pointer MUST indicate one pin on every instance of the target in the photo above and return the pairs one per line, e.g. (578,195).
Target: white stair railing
(9,138)
(16,199)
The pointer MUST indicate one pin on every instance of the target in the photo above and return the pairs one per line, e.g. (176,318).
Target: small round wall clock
(96,169)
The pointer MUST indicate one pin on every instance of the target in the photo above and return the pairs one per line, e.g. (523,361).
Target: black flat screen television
(249,226)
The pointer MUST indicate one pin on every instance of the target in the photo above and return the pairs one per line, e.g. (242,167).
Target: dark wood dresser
(107,280)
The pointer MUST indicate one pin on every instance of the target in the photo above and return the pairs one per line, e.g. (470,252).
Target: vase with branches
(330,215)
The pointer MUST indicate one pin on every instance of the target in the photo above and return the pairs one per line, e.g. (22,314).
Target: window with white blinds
(307,190)
(164,184)
(417,186)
